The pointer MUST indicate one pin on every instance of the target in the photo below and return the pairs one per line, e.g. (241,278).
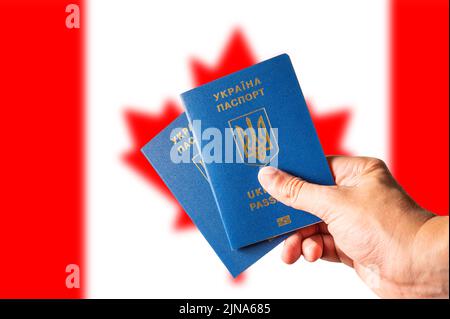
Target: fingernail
(265,176)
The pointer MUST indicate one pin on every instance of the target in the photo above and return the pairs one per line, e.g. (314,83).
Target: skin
(398,249)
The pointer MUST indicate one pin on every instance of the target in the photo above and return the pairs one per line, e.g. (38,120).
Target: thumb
(293,191)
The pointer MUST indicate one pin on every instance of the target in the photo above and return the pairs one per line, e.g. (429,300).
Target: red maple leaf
(236,55)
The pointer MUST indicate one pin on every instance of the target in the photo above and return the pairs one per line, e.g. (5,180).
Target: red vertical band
(420,100)
(41,163)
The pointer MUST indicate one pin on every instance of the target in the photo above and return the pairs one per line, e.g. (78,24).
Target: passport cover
(189,184)
(266,96)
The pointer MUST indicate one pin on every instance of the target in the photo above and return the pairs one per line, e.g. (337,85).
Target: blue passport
(246,120)
(189,185)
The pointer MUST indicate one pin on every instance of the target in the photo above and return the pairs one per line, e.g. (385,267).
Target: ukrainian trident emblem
(254,137)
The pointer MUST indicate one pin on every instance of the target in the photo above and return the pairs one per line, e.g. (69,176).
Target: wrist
(429,255)
(402,267)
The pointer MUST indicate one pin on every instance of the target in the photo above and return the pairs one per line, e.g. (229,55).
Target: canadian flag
(84,85)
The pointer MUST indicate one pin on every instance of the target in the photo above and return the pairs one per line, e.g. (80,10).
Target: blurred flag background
(77,104)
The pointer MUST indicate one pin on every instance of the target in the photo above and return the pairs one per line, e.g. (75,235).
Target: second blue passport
(189,185)
(249,119)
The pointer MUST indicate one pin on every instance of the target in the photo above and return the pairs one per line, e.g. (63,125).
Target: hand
(370,224)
